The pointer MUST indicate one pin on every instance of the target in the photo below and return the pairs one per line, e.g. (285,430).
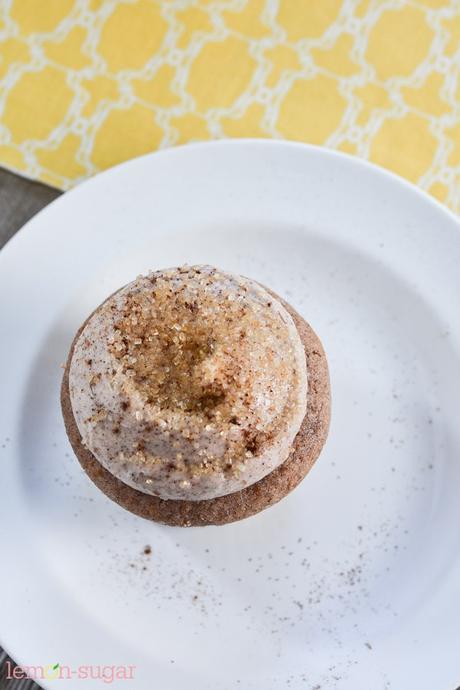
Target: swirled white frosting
(189,383)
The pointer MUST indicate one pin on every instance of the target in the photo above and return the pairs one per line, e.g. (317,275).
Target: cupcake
(193,396)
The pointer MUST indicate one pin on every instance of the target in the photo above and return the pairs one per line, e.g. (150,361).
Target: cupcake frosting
(189,383)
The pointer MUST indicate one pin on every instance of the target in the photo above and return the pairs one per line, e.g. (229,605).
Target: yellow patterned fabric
(86,84)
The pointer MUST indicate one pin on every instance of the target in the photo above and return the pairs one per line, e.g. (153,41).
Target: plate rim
(363,163)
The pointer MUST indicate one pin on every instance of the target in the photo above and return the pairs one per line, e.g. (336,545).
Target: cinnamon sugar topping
(202,375)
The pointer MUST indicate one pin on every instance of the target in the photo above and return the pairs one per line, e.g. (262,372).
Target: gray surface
(20,199)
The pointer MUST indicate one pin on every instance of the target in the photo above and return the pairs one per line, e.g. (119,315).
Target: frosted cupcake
(193,396)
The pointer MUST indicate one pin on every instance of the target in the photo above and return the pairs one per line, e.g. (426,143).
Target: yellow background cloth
(86,84)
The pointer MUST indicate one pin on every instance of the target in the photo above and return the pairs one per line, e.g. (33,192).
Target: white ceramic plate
(352,581)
